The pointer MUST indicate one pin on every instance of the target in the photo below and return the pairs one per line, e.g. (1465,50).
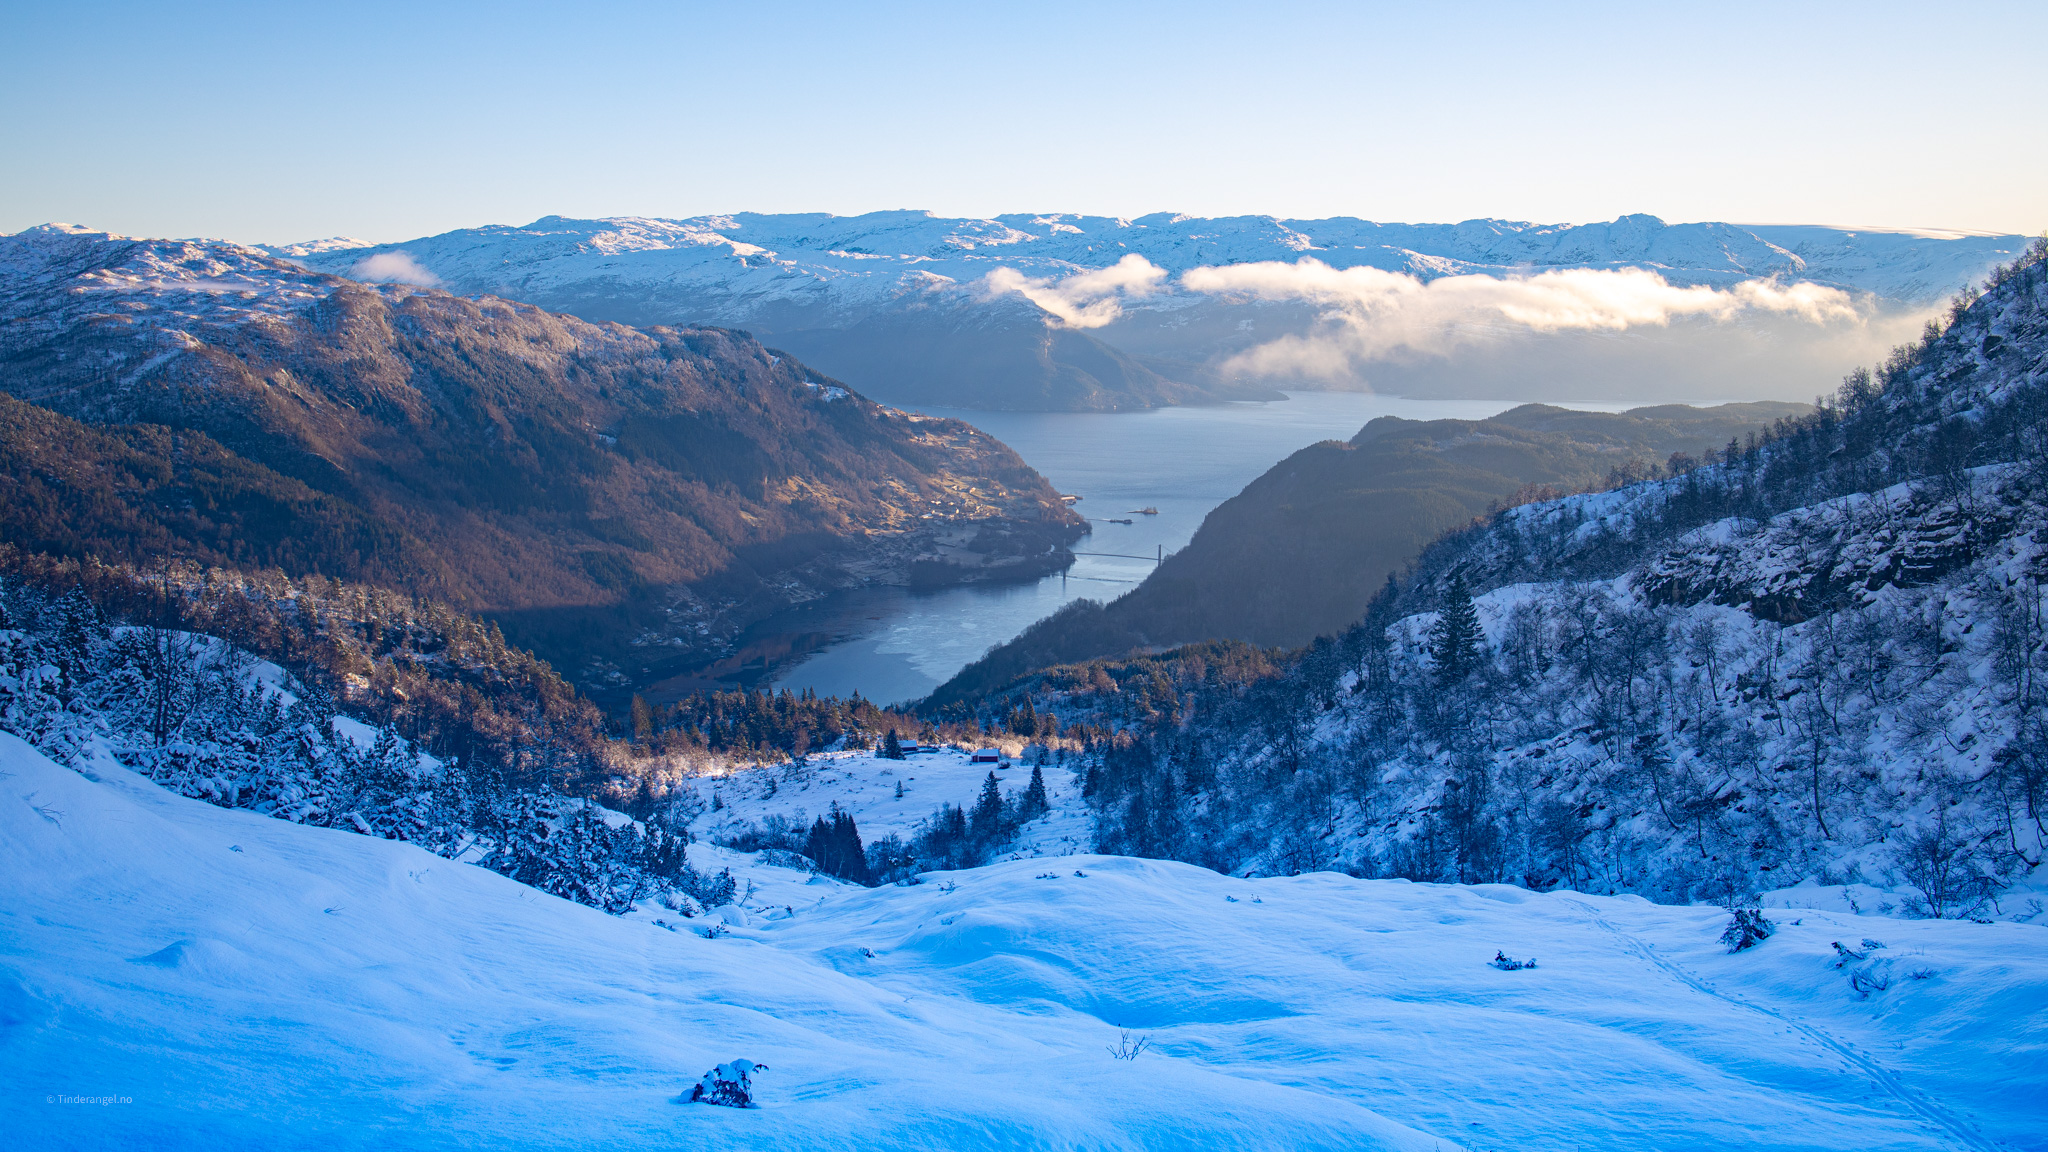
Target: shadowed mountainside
(1303,548)
(619,498)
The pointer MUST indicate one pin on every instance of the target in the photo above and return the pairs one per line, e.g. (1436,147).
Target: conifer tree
(853,857)
(818,845)
(1456,640)
(1024,722)
(892,748)
(988,810)
(836,849)
(1035,802)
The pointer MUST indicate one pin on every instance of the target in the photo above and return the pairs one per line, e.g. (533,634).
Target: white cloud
(1085,299)
(1370,314)
(393,268)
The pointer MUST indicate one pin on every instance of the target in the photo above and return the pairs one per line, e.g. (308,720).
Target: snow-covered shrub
(716,891)
(1747,928)
(681,902)
(777,830)
(1506,963)
(730,1084)
(783,858)
(1873,976)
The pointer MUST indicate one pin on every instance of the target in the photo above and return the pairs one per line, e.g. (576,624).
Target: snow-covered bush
(777,830)
(1747,928)
(730,1084)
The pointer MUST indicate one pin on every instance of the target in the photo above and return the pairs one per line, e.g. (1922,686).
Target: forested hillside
(352,707)
(1304,548)
(624,500)
(1818,656)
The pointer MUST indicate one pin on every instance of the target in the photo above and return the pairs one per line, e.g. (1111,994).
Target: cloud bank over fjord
(1369,316)
(1086,299)
(1372,315)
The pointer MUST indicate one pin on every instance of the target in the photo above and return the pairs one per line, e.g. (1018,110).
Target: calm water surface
(891,644)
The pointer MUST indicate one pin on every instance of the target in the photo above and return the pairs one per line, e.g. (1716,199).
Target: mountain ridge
(675,482)
(1915,266)
(915,308)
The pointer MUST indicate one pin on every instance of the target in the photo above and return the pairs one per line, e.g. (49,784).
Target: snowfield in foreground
(234,981)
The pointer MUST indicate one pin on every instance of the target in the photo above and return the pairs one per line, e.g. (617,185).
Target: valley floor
(233,981)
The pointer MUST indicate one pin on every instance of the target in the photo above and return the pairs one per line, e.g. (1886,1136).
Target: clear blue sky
(284,121)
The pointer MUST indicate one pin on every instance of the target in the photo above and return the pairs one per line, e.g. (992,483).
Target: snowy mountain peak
(313,247)
(740,267)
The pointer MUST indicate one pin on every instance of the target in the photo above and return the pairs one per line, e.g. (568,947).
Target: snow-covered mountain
(1817,659)
(179,975)
(1083,312)
(470,449)
(1815,666)
(747,267)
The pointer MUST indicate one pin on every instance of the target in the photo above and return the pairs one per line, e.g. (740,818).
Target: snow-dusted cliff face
(1086,312)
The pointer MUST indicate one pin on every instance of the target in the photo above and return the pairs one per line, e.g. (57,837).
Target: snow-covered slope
(866,786)
(743,267)
(181,976)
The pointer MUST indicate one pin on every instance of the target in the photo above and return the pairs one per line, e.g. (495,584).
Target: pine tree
(818,845)
(852,857)
(1024,721)
(1035,802)
(836,849)
(988,810)
(1456,640)
(892,748)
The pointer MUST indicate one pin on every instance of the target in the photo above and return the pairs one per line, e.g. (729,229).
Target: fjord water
(891,644)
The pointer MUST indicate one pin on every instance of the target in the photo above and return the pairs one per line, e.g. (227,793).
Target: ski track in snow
(1883,1077)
